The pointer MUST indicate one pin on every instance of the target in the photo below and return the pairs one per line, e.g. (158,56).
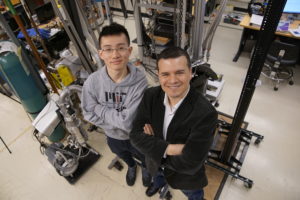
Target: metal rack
(234,165)
(180,13)
(188,33)
(76,35)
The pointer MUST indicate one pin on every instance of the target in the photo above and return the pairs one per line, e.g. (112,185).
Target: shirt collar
(175,107)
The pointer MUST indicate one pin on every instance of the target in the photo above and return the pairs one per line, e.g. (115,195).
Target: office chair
(280,58)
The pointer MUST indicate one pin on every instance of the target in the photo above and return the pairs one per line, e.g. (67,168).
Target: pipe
(36,29)
(67,91)
(212,30)
(108,12)
(198,29)
(72,32)
(138,28)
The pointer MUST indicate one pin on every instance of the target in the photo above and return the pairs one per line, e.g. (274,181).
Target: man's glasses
(111,50)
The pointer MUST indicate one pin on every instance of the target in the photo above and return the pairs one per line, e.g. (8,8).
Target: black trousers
(125,151)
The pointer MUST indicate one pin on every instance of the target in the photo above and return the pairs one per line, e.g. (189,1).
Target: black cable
(42,144)
(10,97)
(5,145)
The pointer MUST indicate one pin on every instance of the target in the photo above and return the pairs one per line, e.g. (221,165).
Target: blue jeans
(125,151)
(159,181)
(194,194)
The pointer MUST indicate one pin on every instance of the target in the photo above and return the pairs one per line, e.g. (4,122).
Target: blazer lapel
(181,114)
(159,114)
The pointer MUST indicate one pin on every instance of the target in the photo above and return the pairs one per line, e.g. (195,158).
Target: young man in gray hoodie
(111,95)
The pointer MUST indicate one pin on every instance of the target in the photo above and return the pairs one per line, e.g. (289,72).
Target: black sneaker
(146,177)
(151,190)
(131,175)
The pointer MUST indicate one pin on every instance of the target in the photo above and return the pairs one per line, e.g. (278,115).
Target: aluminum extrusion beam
(108,12)
(138,27)
(198,29)
(158,7)
(183,38)
(90,31)
(74,37)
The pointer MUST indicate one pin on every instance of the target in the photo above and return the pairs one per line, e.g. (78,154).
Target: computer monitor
(45,12)
(292,6)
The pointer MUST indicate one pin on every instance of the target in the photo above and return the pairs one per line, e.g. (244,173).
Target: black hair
(113,29)
(173,52)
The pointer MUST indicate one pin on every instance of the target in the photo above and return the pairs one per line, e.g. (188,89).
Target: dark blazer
(193,125)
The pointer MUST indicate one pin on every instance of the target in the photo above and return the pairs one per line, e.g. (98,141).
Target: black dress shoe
(151,190)
(131,176)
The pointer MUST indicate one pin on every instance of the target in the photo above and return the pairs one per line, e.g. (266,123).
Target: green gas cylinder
(22,83)
(25,88)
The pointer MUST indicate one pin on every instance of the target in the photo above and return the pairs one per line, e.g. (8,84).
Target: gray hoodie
(112,106)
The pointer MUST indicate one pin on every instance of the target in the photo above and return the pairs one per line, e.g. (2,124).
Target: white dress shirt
(170,112)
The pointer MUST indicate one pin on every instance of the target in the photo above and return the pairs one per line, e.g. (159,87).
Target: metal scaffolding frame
(198,30)
(180,12)
(80,43)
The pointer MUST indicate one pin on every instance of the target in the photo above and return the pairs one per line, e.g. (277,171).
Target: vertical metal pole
(180,14)
(108,12)
(100,9)
(87,25)
(207,42)
(183,38)
(198,29)
(100,14)
(178,22)
(74,37)
(26,8)
(271,19)
(123,7)
(138,28)
(91,32)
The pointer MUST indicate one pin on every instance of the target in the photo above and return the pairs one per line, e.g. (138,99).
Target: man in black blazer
(174,128)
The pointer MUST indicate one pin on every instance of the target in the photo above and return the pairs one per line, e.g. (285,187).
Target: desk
(253,29)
